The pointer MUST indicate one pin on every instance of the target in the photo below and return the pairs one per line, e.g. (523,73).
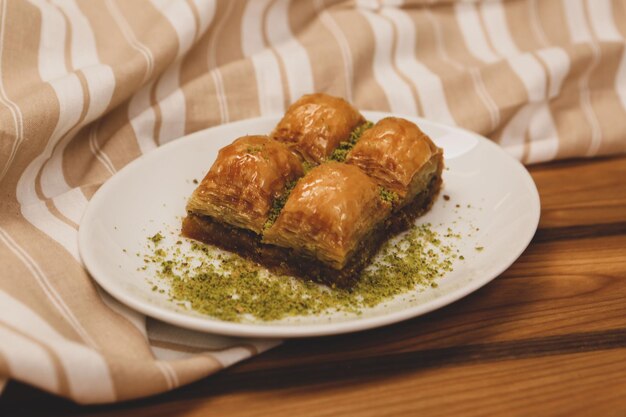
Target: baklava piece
(314,126)
(403,160)
(331,225)
(239,190)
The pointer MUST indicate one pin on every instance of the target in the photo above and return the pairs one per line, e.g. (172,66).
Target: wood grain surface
(547,337)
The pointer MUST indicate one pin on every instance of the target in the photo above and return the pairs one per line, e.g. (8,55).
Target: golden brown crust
(244,180)
(395,153)
(328,212)
(314,125)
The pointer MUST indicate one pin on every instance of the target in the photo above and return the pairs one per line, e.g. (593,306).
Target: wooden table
(547,337)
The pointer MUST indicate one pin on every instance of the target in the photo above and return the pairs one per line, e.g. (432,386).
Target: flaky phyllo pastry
(315,125)
(398,156)
(247,176)
(328,213)
(320,195)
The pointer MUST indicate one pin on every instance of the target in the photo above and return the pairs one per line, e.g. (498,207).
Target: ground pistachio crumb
(156,238)
(279,203)
(228,287)
(388,196)
(307,166)
(341,151)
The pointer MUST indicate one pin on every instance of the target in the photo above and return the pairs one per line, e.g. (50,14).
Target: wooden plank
(570,385)
(582,192)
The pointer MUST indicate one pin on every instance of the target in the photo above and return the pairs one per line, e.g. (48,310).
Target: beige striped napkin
(87,86)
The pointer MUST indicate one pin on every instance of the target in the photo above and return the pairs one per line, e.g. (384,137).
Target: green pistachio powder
(226,286)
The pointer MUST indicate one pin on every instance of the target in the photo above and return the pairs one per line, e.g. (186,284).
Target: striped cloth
(88,86)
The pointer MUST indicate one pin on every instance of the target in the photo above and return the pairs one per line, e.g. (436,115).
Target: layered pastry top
(328,212)
(397,155)
(314,126)
(285,191)
(246,178)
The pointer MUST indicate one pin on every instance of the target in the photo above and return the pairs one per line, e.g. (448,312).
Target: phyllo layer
(398,156)
(244,180)
(328,213)
(314,125)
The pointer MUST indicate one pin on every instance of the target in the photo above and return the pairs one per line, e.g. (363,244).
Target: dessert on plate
(319,195)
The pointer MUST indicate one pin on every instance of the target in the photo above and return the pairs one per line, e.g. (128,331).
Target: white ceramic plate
(150,194)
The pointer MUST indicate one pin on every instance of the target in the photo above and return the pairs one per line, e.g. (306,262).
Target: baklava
(286,201)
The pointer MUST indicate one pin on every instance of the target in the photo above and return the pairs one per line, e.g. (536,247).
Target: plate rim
(212,325)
